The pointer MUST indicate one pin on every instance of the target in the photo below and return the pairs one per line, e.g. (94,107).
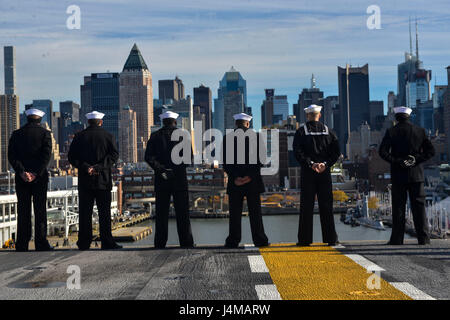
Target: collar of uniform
(94,127)
(33,124)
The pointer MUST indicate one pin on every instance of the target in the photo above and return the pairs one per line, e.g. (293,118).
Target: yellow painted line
(320,272)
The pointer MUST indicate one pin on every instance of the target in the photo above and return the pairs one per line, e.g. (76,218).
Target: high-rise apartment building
(203,99)
(10,69)
(136,91)
(353,101)
(9,121)
(128,135)
(171,90)
(71,108)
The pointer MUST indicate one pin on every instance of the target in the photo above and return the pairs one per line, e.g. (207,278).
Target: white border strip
(363,262)
(267,292)
(257,264)
(250,247)
(411,291)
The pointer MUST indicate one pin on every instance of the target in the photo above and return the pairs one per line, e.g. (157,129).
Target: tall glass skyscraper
(10,69)
(231,99)
(105,99)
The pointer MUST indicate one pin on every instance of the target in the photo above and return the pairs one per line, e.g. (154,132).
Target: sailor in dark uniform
(316,148)
(170,180)
(406,146)
(244,180)
(93,152)
(29,153)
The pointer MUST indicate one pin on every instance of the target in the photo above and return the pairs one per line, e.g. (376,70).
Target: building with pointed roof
(136,90)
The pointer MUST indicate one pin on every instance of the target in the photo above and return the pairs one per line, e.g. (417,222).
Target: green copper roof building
(135,60)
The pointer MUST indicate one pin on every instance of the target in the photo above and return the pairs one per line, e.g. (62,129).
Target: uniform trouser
(181,204)
(86,204)
(416,193)
(313,184)
(236,200)
(36,192)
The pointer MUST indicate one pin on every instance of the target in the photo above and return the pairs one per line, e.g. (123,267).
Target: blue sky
(274,44)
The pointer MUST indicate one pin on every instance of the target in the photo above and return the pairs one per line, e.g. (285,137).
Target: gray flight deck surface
(203,273)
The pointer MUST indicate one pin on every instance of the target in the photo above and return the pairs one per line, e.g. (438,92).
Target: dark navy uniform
(399,142)
(251,191)
(94,147)
(29,150)
(170,180)
(316,143)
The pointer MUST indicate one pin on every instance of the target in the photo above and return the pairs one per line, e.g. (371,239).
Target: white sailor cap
(34,112)
(242,116)
(95,115)
(403,110)
(168,115)
(313,108)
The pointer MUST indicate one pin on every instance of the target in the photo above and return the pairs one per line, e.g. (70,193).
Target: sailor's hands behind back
(92,171)
(241,181)
(28,176)
(167,174)
(319,167)
(407,163)
(410,161)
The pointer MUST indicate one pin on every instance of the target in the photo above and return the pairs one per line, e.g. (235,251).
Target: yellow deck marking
(320,272)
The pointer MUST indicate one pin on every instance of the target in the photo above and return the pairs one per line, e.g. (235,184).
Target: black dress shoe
(20,249)
(262,245)
(424,242)
(390,243)
(191,246)
(298,244)
(45,248)
(114,246)
(231,246)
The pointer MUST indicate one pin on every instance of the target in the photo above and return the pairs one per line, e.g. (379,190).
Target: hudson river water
(278,229)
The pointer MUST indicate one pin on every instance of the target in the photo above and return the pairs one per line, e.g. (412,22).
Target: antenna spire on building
(417,41)
(313,82)
(410,38)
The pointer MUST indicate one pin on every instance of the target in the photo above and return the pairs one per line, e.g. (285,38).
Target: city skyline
(52,60)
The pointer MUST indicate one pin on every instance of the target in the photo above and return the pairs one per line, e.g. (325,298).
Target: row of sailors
(93,152)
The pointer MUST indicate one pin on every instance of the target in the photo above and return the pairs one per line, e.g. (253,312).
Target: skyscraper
(413,79)
(171,90)
(128,135)
(446,112)
(330,104)
(10,69)
(85,98)
(376,114)
(353,100)
(280,108)
(185,109)
(267,108)
(71,108)
(9,121)
(309,96)
(105,99)
(231,99)
(203,99)
(136,91)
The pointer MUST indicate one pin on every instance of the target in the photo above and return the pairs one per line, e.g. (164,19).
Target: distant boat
(360,216)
